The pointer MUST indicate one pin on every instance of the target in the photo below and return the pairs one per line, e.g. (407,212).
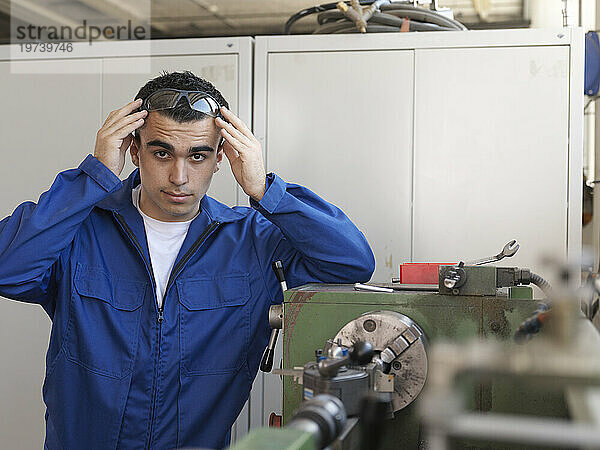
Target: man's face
(176,162)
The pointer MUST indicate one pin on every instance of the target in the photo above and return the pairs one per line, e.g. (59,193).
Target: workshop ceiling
(200,18)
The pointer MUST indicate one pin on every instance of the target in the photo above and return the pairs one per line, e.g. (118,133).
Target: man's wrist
(108,166)
(260,192)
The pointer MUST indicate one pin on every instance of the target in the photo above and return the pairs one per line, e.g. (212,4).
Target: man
(159,294)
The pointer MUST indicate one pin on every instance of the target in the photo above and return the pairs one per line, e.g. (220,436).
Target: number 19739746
(46,47)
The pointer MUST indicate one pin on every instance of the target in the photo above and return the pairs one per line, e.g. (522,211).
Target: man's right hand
(114,138)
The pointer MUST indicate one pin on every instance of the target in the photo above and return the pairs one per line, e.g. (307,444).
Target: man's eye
(198,157)
(161,154)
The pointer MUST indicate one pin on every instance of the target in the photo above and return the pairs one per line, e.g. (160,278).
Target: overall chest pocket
(214,317)
(104,322)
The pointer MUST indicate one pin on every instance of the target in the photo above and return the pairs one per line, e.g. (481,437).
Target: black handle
(361,353)
(278,269)
(375,409)
(266,365)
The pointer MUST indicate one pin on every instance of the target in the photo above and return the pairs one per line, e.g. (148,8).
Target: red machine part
(420,273)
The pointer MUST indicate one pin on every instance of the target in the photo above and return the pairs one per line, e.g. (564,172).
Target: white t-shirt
(164,242)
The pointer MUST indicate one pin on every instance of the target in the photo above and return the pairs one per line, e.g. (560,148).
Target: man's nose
(179,174)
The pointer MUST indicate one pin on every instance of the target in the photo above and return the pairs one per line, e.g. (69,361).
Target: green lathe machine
(315,313)
(437,366)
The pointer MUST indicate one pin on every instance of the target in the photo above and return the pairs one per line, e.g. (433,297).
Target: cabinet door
(49,124)
(120,87)
(491,153)
(341,124)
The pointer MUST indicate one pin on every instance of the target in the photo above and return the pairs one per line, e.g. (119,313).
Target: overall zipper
(160,311)
(153,403)
(174,272)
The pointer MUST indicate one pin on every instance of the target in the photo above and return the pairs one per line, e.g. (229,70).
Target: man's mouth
(176,196)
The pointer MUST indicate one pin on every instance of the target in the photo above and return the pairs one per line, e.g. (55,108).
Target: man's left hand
(244,154)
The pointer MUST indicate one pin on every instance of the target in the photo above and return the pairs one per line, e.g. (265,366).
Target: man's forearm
(323,235)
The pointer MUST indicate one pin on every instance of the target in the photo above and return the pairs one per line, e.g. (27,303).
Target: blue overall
(119,372)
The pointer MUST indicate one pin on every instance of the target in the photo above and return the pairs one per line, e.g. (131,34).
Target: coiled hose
(541,283)
(389,19)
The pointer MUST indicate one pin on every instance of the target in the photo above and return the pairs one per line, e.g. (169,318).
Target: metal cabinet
(492,153)
(438,145)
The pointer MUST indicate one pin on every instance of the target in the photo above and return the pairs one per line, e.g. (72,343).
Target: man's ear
(219,159)
(134,149)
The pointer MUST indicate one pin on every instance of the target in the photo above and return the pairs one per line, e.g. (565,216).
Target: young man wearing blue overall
(159,294)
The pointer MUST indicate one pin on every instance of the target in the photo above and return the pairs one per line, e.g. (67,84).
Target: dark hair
(185,80)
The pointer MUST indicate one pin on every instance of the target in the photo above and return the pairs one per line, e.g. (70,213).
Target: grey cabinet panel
(49,125)
(341,124)
(491,153)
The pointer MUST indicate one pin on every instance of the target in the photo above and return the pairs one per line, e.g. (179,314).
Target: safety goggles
(168,98)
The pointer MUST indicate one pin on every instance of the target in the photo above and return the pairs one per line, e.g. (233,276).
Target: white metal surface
(39,139)
(491,153)
(126,49)
(410,41)
(341,124)
(575,149)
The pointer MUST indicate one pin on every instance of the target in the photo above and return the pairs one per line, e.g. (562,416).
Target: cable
(541,283)
(307,12)
(336,22)
(422,15)
(389,19)
(534,323)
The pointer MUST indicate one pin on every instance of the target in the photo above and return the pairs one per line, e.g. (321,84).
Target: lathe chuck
(399,342)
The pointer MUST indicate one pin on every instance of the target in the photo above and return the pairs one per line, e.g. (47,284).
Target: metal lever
(370,288)
(275,320)
(509,250)
(278,269)
(267,360)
